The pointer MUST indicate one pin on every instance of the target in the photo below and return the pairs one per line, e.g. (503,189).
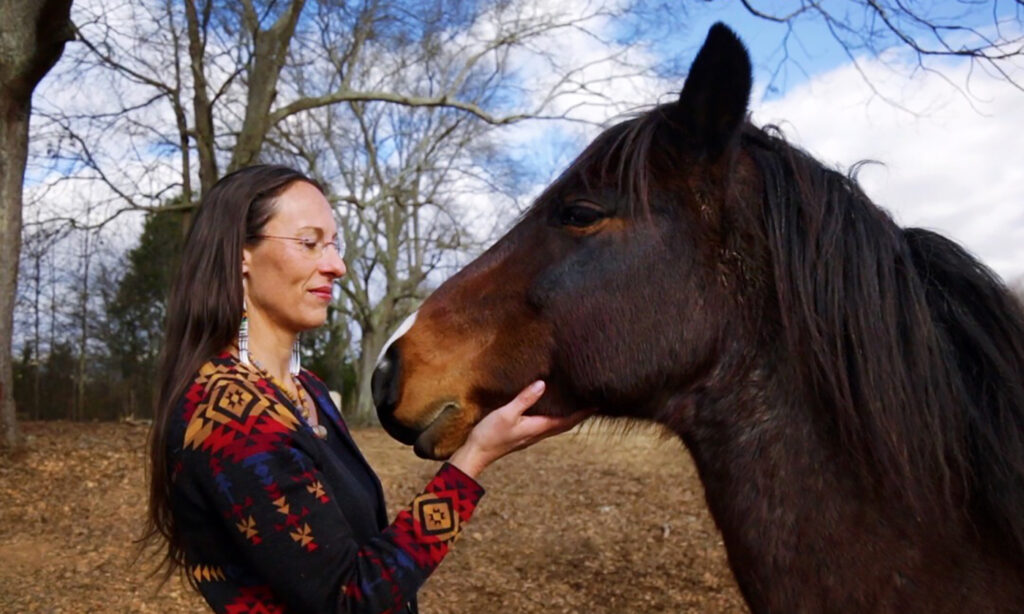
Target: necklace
(299,400)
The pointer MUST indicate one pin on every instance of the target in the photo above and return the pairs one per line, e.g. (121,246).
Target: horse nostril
(384,382)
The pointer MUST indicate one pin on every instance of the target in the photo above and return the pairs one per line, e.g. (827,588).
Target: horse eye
(579,216)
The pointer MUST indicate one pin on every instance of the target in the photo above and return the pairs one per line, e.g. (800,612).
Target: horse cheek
(603,303)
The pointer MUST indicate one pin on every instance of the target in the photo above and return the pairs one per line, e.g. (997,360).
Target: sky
(945,145)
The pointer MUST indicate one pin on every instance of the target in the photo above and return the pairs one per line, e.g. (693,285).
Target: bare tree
(32,37)
(202,80)
(33,280)
(397,175)
(119,115)
(83,314)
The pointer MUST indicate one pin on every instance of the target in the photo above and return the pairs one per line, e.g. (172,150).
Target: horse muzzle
(435,430)
(384,387)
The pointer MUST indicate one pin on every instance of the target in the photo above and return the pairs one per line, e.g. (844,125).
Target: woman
(257,490)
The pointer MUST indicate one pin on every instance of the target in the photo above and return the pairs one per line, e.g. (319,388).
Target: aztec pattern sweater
(276,520)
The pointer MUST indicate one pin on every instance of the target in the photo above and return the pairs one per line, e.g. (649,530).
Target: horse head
(617,287)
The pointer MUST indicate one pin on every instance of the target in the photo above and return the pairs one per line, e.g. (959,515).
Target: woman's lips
(323,292)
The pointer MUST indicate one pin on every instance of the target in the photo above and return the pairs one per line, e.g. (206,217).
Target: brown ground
(594,522)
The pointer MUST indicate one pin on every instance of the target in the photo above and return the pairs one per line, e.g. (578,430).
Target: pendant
(319,430)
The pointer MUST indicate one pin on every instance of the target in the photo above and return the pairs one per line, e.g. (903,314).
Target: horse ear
(714,99)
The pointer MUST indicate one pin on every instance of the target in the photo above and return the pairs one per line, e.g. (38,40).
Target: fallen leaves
(593,522)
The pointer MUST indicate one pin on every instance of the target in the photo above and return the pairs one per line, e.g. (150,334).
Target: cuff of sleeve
(445,505)
(450,479)
(454,473)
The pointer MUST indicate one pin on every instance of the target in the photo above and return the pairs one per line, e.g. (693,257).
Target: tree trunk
(37,291)
(363,411)
(270,49)
(32,37)
(201,105)
(13,152)
(78,409)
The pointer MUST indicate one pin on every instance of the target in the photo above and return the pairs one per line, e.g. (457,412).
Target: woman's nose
(332,263)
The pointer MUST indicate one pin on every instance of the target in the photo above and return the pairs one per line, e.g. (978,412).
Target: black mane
(915,346)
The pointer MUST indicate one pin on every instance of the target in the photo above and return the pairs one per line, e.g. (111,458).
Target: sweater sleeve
(242,452)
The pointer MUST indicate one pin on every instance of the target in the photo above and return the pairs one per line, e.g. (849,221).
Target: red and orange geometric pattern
(247,463)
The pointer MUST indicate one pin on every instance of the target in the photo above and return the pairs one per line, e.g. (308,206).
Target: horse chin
(445,433)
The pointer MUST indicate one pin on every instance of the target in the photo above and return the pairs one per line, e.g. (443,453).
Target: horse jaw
(446,432)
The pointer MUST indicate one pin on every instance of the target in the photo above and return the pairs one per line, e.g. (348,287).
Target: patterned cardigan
(276,520)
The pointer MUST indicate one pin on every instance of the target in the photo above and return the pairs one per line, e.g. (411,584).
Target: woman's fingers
(525,399)
(537,426)
(507,429)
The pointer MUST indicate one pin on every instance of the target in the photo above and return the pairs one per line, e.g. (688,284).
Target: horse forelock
(858,304)
(620,159)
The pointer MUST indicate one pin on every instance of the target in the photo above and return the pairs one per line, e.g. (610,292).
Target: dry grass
(597,522)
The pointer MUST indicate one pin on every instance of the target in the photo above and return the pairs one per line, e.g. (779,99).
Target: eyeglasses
(312,248)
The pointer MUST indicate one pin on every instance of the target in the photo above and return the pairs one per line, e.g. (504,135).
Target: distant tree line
(110,376)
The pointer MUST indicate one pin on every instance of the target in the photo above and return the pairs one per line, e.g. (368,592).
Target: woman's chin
(314,318)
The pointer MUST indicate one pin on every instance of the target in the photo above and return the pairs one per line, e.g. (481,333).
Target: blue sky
(812,49)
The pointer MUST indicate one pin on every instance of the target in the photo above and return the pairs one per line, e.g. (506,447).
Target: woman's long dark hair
(203,313)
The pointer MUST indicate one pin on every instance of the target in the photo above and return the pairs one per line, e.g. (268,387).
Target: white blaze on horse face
(404,328)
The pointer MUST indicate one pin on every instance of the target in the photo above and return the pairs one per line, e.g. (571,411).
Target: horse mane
(984,324)
(915,347)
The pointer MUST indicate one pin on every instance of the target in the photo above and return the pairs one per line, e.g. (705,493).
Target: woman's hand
(506,430)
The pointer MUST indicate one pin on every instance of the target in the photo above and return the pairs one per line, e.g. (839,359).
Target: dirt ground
(595,522)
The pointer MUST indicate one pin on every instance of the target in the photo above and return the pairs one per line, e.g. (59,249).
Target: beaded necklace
(299,400)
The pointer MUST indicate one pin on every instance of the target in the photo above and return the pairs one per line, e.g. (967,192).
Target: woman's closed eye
(309,244)
(316,247)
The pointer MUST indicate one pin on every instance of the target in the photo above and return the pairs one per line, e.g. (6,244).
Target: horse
(851,391)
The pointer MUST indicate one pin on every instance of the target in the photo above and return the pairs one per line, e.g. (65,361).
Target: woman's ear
(246,260)
(245,278)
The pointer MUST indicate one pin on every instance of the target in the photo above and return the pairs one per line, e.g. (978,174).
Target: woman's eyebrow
(318,230)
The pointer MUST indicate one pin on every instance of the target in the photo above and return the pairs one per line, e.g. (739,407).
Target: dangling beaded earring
(294,365)
(243,337)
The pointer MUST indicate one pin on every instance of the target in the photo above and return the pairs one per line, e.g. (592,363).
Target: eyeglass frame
(308,243)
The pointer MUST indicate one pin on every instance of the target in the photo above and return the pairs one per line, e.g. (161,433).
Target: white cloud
(956,167)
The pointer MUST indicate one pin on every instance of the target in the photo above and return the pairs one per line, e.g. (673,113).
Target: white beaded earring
(243,337)
(294,365)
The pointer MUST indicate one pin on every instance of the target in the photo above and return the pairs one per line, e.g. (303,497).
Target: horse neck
(801,530)
(769,474)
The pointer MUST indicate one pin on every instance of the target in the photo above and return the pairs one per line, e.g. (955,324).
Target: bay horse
(851,392)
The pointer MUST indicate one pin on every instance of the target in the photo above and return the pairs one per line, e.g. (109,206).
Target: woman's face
(288,275)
